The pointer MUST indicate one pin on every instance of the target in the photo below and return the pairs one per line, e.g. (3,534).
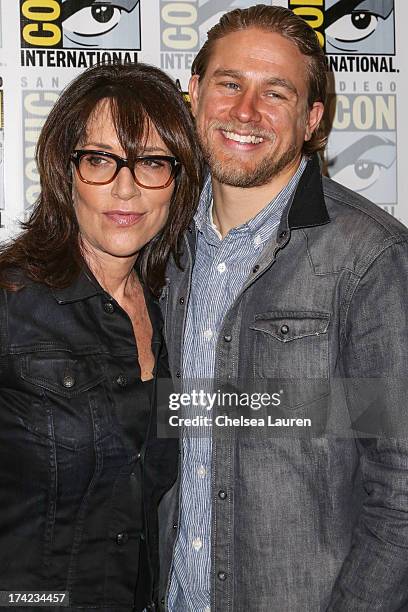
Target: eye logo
(81,24)
(363,27)
(347,27)
(362,151)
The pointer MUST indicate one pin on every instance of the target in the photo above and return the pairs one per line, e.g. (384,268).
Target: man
(286,276)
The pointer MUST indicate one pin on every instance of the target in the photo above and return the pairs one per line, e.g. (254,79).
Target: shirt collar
(82,288)
(263,224)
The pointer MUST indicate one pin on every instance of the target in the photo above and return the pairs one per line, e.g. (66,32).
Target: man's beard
(228,171)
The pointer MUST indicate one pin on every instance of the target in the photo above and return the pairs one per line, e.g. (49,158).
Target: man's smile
(242,138)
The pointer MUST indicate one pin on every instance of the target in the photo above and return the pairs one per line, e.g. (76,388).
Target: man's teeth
(242,138)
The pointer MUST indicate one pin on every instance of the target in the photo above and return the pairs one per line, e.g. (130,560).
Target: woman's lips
(121,217)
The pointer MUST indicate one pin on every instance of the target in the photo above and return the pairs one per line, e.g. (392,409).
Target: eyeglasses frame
(123,162)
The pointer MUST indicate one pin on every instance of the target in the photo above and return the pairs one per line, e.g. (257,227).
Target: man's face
(251,107)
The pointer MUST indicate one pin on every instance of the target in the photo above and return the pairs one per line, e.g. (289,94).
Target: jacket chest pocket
(71,394)
(291,351)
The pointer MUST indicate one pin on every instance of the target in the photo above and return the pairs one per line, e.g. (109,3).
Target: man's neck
(234,206)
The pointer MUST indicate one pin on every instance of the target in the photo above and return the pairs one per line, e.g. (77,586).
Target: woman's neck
(115,274)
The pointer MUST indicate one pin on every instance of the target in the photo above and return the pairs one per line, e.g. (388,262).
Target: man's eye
(353,27)
(231,85)
(94,20)
(274,94)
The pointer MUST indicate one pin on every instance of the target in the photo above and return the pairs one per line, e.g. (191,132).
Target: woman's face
(116,220)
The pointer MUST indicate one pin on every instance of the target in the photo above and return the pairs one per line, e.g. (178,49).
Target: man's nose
(124,186)
(246,107)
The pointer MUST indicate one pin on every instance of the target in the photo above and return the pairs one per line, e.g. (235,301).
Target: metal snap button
(109,307)
(122,538)
(68,381)
(284,329)
(121,380)
(227,338)
(222,494)
(222,576)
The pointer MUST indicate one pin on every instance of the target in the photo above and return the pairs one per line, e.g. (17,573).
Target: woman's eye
(94,20)
(97,160)
(353,27)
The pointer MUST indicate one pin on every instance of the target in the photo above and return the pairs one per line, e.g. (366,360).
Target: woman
(81,472)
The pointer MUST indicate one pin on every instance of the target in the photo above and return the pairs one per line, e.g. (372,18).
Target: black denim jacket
(77,448)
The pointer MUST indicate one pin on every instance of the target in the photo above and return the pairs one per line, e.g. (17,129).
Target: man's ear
(193,88)
(314,117)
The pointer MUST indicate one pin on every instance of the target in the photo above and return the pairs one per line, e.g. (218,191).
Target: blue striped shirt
(220,270)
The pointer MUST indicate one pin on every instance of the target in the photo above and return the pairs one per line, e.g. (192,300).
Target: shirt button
(122,538)
(201,472)
(257,240)
(227,338)
(284,329)
(255,269)
(222,576)
(207,609)
(222,494)
(121,380)
(109,307)
(208,334)
(197,544)
(221,267)
(68,381)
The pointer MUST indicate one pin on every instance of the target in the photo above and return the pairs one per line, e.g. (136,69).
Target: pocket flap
(287,325)
(62,374)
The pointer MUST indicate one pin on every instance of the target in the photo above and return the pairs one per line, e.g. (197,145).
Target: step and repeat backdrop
(46,43)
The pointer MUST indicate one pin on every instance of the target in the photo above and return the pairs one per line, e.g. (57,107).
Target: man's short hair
(281,21)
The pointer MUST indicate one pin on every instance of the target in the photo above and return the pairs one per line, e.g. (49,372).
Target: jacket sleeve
(374,576)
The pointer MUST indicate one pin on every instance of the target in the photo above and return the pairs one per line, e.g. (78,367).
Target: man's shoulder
(345,206)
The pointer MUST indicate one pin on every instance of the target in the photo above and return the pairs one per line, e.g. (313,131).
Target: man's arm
(374,576)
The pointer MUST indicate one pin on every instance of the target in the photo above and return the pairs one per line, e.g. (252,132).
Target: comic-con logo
(184,25)
(364,27)
(36,104)
(80,24)
(362,150)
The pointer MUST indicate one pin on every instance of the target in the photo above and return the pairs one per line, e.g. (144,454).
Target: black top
(77,448)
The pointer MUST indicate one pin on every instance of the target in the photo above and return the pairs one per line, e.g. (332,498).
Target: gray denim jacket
(315,523)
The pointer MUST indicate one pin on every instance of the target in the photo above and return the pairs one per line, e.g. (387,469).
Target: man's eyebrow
(345,7)
(273,81)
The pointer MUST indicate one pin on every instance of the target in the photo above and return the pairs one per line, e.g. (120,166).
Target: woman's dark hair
(48,250)
(285,22)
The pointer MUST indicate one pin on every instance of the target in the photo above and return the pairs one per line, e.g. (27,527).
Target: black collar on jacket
(308,207)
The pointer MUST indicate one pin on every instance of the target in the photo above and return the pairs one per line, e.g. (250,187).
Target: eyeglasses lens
(101,169)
